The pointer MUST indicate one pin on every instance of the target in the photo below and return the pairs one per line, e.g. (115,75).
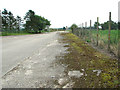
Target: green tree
(64,28)
(35,23)
(95,25)
(11,20)
(105,25)
(5,19)
(18,23)
(29,20)
(119,25)
(73,26)
(8,20)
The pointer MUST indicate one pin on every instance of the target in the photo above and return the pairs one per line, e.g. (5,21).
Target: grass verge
(81,57)
(13,34)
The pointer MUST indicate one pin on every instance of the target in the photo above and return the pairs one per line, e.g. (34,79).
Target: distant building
(47,27)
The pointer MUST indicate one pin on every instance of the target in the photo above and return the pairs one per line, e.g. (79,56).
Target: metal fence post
(109,31)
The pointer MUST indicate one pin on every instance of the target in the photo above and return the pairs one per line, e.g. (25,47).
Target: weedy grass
(103,35)
(13,34)
(83,56)
(91,37)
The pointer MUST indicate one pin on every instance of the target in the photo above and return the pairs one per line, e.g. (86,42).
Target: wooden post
(85,30)
(85,25)
(109,31)
(90,24)
(97,29)
(90,33)
(82,29)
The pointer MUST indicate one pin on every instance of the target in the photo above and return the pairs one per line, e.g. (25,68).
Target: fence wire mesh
(90,36)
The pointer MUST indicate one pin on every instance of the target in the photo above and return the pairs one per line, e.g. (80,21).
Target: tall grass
(91,37)
(103,39)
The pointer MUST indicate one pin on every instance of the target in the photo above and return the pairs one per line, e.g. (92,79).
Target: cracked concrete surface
(38,70)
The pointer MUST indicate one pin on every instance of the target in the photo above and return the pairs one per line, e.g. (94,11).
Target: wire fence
(103,39)
(102,42)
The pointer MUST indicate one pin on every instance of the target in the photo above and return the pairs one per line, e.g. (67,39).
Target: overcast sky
(65,12)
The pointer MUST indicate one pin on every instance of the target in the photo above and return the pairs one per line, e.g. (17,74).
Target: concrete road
(32,61)
(15,49)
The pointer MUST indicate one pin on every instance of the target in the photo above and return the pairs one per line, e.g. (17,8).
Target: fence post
(82,29)
(97,29)
(85,30)
(119,34)
(90,33)
(109,31)
(90,24)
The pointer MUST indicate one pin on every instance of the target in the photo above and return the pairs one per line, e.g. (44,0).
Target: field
(91,37)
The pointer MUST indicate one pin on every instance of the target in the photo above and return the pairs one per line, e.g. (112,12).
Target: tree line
(104,26)
(31,22)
